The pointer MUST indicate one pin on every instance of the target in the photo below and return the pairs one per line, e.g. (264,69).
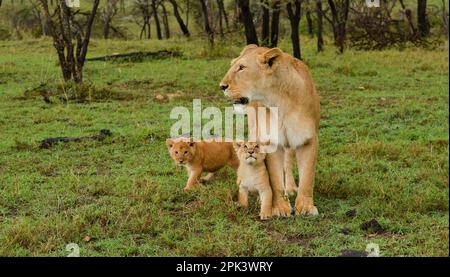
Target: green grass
(383,152)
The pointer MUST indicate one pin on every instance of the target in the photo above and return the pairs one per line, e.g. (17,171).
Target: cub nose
(251,152)
(223,86)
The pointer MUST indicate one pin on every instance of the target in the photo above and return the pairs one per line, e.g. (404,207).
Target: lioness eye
(241,67)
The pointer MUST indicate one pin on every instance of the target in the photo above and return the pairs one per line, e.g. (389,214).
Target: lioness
(277,79)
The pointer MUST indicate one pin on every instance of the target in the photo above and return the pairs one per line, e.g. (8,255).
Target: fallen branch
(49,142)
(157,54)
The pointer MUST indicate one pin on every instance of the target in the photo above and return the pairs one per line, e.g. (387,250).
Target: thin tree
(275,24)
(156,18)
(265,30)
(208,29)
(422,20)
(70,39)
(223,13)
(247,20)
(309,22)
(109,11)
(165,20)
(144,7)
(319,13)
(180,21)
(294,17)
(339,16)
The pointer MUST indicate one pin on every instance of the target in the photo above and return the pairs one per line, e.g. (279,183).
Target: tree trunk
(309,23)
(319,12)
(294,19)
(208,29)
(224,13)
(177,15)
(275,24)
(219,18)
(155,16)
(339,20)
(247,18)
(165,21)
(71,56)
(265,31)
(422,20)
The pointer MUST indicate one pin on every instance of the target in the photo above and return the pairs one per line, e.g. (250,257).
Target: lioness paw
(282,208)
(265,215)
(305,206)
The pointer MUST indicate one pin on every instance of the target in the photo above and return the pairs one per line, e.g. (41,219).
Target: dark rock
(345,231)
(372,226)
(350,213)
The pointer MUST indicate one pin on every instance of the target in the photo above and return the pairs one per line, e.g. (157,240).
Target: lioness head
(181,151)
(251,73)
(250,152)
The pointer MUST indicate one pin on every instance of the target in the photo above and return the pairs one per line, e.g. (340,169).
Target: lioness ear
(271,57)
(169,142)
(248,48)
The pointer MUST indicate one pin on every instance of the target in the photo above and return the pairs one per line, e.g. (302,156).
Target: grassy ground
(384,152)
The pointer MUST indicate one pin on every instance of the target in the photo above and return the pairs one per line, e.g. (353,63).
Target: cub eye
(241,67)
(256,146)
(245,147)
(185,152)
(176,152)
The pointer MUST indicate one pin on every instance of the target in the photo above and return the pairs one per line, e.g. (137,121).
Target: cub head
(252,74)
(181,151)
(250,152)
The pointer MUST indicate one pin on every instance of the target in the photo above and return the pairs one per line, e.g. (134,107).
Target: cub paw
(305,206)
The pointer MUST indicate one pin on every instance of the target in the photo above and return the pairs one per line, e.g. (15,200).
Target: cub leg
(289,181)
(243,197)
(306,160)
(265,195)
(274,163)
(194,174)
(208,177)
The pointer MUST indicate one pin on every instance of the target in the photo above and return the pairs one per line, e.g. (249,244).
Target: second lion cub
(253,176)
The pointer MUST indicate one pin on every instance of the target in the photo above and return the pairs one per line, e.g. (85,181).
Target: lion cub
(253,176)
(202,156)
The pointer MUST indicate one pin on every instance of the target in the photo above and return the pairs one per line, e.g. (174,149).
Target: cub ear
(271,57)
(191,144)
(169,142)
(248,48)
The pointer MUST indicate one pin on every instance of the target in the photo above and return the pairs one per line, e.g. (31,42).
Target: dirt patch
(372,227)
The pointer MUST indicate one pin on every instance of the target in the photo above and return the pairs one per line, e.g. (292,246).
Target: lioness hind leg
(306,160)
(289,181)
(274,162)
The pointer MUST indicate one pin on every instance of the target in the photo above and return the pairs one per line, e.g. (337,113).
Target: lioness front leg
(274,162)
(289,181)
(194,174)
(266,203)
(306,160)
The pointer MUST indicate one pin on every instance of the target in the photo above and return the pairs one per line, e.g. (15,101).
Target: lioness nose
(223,86)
